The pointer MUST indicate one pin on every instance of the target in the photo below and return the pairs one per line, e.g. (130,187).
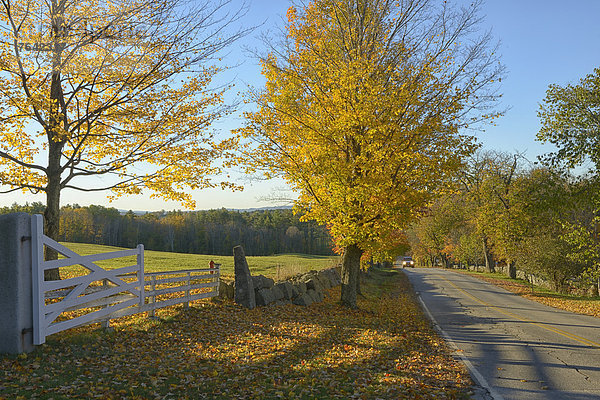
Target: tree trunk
(489,261)
(512,270)
(445,261)
(52,211)
(55,140)
(350,272)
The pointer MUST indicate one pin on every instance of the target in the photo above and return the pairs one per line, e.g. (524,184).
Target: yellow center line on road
(568,335)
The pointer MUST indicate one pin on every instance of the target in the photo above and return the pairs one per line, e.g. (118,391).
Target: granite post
(244,287)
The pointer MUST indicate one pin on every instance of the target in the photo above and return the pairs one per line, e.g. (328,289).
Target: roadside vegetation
(385,349)
(507,211)
(569,302)
(542,218)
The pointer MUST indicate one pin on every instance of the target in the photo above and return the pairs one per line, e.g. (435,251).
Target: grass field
(387,349)
(277,267)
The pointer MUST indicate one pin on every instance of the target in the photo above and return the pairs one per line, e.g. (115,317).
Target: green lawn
(277,267)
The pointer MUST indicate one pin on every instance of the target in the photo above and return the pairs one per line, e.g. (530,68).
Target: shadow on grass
(537,291)
(554,295)
(386,349)
(301,256)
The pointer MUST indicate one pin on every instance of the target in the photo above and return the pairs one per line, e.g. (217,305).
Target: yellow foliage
(99,87)
(361,118)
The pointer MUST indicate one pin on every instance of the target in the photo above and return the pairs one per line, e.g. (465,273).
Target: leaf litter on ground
(386,349)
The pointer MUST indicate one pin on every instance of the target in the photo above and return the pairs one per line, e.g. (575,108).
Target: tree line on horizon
(216,232)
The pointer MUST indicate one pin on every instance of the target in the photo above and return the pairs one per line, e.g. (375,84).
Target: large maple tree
(362,113)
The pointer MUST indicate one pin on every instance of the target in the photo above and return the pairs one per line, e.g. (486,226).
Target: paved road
(518,348)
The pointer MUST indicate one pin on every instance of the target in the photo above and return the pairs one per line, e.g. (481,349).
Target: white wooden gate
(104,294)
(75,292)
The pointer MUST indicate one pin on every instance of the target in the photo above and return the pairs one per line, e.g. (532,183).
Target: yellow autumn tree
(119,89)
(362,113)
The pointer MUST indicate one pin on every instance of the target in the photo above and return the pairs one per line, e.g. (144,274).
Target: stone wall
(251,291)
(301,290)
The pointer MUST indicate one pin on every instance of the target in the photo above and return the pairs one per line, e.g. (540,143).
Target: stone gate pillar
(16,314)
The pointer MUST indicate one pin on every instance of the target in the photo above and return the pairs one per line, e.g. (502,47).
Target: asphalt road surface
(514,347)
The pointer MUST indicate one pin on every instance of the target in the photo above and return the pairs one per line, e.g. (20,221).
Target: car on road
(406,261)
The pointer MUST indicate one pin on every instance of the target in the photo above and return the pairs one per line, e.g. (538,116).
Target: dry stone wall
(251,291)
(302,290)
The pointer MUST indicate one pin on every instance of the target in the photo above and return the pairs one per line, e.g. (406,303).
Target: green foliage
(570,118)
(261,232)
(468,250)
(34,208)
(545,201)
(582,233)
(535,218)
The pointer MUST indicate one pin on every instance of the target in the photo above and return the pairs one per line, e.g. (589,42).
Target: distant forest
(260,232)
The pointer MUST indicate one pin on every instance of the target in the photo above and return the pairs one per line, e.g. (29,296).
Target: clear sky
(542,42)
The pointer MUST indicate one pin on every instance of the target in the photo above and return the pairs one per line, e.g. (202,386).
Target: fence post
(217,278)
(153,297)
(141,278)
(16,310)
(105,323)
(37,279)
(187,291)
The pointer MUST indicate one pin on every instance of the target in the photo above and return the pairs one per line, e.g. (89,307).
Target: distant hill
(261,209)
(270,208)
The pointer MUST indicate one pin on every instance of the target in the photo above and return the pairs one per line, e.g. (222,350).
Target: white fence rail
(194,279)
(105,294)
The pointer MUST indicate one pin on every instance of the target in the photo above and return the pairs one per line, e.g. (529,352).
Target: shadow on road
(502,349)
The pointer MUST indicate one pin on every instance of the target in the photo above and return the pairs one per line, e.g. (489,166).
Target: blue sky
(542,42)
